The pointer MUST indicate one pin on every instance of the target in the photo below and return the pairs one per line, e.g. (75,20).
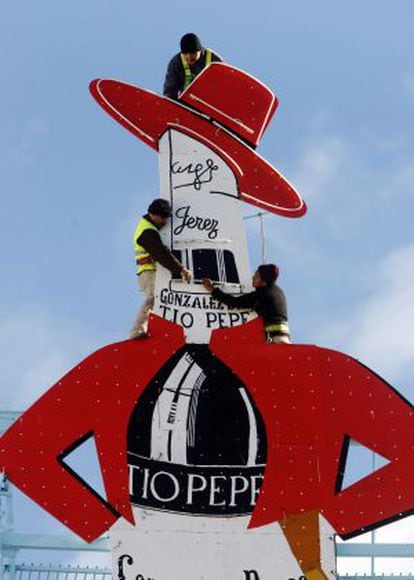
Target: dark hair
(190,43)
(268,273)
(160,207)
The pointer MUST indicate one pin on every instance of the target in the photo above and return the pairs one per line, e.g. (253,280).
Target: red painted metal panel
(213,92)
(97,396)
(312,400)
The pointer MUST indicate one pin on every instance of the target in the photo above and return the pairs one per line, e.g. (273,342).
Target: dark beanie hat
(190,43)
(160,207)
(268,273)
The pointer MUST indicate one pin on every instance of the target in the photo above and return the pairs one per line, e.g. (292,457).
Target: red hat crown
(213,91)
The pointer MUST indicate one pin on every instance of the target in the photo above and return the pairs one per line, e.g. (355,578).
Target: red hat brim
(148,115)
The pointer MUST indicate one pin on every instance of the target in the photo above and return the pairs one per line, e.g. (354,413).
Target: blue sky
(73,183)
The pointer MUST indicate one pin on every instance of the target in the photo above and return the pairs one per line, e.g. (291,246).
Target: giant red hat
(225,109)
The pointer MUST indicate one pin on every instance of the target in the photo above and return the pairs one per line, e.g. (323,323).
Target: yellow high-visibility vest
(188,75)
(143,259)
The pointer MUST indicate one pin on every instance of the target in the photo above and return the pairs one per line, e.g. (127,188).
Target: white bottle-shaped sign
(196,442)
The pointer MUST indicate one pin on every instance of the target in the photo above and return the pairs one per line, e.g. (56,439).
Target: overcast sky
(73,183)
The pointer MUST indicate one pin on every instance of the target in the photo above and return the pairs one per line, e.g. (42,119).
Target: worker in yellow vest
(150,250)
(186,65)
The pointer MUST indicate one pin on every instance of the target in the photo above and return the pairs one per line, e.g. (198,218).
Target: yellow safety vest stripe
(208,56)
(140,252)
(188,75)
(280,327)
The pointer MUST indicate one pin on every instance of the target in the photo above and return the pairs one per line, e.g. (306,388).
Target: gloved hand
(208,285)
(186,275)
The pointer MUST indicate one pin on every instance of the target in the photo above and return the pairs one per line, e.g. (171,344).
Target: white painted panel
(206,219)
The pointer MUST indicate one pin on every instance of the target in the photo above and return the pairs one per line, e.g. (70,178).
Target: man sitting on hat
(186,65)
(267,299)
(149,250)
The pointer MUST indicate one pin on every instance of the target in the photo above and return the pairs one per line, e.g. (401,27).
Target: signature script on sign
(200,173)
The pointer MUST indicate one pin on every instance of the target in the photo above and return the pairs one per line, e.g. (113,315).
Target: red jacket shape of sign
(312,400)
